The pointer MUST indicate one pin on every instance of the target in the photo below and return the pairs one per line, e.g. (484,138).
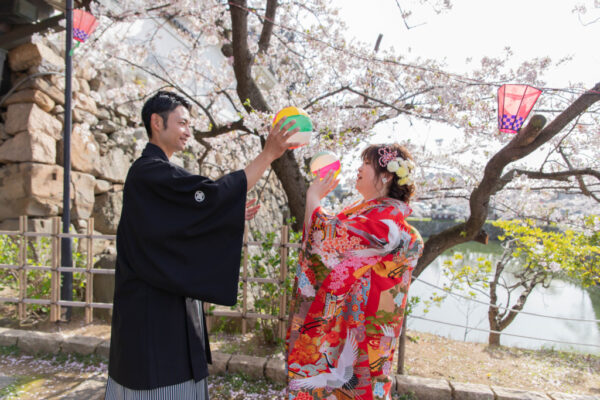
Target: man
(179,240)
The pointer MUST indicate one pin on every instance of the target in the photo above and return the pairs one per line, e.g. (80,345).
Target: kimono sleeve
(183,233)
(386,238)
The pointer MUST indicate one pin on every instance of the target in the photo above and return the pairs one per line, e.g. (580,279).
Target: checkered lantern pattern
(80,35)
(510,122)
(515,102)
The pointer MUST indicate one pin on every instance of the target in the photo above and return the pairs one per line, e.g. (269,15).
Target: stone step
(257,367)
(90,389)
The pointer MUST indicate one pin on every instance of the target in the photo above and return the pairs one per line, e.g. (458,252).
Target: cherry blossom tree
(278,53)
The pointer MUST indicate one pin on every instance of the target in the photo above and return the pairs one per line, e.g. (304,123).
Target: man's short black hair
(162,103)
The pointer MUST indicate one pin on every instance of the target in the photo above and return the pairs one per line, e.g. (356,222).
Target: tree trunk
(402,347)
(286,167)
(494,339)
(288,172)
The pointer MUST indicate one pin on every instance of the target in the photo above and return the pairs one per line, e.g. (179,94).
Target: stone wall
(105,140)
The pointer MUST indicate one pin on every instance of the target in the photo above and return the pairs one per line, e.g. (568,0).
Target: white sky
(473,29)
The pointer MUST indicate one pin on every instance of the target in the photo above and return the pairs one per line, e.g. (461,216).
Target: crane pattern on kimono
(340,376)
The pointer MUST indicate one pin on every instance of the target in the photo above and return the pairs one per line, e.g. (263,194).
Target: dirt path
(437,357)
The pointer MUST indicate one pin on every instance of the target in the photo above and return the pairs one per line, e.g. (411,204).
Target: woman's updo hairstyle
(372,155)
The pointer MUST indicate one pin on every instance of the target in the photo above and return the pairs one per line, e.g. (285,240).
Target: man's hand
(276,143)
(251,210)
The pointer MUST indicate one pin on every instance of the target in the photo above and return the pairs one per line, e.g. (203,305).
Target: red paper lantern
(84,24)
(514,105)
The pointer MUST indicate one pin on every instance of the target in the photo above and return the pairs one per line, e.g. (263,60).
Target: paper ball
(323,162)
(302,121)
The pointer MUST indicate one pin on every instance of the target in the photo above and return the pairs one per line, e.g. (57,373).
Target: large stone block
(30,189)
(59,82)
(503,393)
(84,86)
(104,285)
(32,96)
(29,117)
(85,151)
(29,146)
(32,55)
(423,388)
(102,186)
(91,389)
(471,391)
(103,349)
(83,117)
(34,343)
(219,363)
(85,103)
(568,396)
(10,337)
(275,370)
(83,201)
(107,212)
(250,366)
(33,225)
(83,345)
(113,166)
(57,95)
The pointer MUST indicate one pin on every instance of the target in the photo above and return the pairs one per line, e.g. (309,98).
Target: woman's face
(367,183)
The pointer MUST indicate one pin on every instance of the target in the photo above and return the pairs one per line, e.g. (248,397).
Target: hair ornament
(386,155)
(402,168)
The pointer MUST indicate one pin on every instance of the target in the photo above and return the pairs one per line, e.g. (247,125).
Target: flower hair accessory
(386,155)
(403,169)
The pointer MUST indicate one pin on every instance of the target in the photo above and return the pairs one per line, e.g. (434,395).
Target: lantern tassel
(77,43)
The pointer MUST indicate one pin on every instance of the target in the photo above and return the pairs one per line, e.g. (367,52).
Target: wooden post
(22,272)
(54,274)
(245,281)
(89,277)
(402,347)
(283,249)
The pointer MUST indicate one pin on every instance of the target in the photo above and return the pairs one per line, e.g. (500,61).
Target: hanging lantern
(84,24)
(514,105)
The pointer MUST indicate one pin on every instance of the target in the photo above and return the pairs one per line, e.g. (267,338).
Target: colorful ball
(323,162)
(302,121)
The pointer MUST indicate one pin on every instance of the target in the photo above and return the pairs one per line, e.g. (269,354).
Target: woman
(352,283)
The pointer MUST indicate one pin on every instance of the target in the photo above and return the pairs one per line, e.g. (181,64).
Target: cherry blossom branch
(529,139)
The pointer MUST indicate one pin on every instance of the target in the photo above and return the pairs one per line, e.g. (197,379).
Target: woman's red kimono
(350,292)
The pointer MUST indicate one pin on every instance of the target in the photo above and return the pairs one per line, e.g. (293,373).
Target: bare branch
(221,129)
(265,35)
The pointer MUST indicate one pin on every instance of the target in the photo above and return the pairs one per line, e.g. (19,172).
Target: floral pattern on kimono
(348,303)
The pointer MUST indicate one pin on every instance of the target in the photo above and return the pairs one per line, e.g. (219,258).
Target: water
(561,299)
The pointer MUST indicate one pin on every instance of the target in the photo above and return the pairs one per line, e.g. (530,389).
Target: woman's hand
(318,189)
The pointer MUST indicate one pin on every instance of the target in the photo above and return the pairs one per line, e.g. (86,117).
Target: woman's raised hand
(320,188)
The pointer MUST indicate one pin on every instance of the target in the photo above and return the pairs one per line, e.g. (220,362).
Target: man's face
(177,132)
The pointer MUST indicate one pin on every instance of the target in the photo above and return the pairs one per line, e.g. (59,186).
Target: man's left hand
(251,209)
